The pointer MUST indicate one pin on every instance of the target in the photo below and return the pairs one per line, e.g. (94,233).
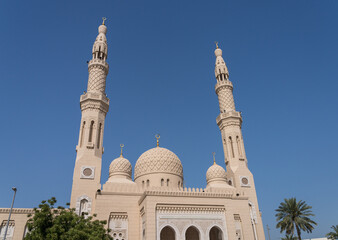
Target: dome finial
(103,20)
(213,154)
(157,136)
(121,145)
(216,45)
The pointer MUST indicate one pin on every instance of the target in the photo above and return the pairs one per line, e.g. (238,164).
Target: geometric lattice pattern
(119,165)
(215,171)
(158,160)
(97,80)
(226,100)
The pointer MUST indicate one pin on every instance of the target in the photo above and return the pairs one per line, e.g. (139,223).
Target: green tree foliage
(51,223)
(334,234)
(293,215)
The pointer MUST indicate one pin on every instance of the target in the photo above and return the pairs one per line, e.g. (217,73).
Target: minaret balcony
(94,96)
(229,118)
(93,100)
(98,61)
(223,84)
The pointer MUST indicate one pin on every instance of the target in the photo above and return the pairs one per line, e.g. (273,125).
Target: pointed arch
(167,233)
(82,132)
(99,135)
(215,233)
(192,233)
(231,147)
(90,137)
(238,140)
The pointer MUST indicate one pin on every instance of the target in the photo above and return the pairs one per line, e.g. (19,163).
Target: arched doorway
(192,233)
(167,233)
(215,234)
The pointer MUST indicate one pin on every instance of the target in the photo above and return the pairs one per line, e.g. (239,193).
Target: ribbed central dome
(158,160)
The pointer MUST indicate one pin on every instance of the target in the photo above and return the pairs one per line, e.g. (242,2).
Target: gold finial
(157,136)
(216,44)
(103,20)
(213,154)
(121,145)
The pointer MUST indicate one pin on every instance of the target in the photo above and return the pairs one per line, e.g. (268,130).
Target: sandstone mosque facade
(154,205)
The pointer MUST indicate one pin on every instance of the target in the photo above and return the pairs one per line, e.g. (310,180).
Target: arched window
(148,183)
(168,182)
(83,207)
(225,148)
(179,184)
(231,147)
(82,132)
(162,182)
(239,146)
(192,233)
(167,233)
(143,184)
(99,136)
(90,138)
(215,234)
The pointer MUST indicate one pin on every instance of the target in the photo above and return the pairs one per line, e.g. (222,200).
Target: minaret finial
(121,145)
(103,20)
(157,136)
(213,154)
(216,44)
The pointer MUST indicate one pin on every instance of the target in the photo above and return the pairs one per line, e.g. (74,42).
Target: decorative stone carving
(118,223)
(244,181)
(87,172)
(181,217)
(10,230)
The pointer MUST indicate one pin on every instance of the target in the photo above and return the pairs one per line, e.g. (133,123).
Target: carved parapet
(232,118)
(118,216)
(94,101)
(100,63)
(17,210)
(221,193)
(223,85)
(190,209)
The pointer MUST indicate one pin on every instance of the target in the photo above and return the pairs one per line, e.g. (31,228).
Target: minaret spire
(94,107)
(229,120)
(98,67)
(223,86)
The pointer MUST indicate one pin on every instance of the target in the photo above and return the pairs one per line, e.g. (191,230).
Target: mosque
(154,204)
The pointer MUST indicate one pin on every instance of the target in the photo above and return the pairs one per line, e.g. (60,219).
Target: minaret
(230,122)
(94,107)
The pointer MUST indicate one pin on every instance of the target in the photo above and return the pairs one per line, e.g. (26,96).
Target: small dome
(120,166)
(158,160)
(103,29)
(218,52)
(216,172)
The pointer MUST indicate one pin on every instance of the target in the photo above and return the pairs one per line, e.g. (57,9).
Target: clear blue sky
(282,56)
